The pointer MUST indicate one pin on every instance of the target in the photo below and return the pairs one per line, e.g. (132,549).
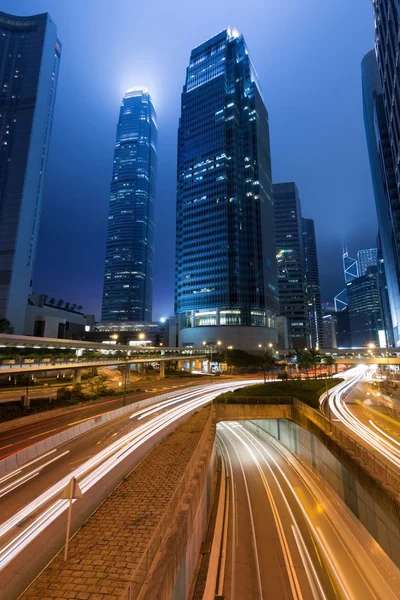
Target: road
(345,404)
(17,438)
(287,535)
(30,496)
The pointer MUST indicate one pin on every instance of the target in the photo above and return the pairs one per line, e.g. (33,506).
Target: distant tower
(225,282)
(29,62)
(292,281)
(128,275)
(367,258)
(350,272)
(313,286)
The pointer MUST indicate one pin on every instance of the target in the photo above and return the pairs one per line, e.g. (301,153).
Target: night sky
(307,54)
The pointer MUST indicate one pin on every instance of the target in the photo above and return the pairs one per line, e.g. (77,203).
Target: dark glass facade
(313,286)
(367,258)
(225,243)
(128,275)
(292,282)
(364,309)
(29,64)
(387,200)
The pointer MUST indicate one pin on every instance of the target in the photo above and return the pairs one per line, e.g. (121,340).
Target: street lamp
(141,336)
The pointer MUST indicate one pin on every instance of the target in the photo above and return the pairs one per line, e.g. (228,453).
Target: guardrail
(141,572)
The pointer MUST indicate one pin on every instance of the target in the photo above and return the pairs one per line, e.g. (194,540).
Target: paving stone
(104,554)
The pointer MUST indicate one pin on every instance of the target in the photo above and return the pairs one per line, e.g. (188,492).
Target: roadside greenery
(66,396)
(308,392)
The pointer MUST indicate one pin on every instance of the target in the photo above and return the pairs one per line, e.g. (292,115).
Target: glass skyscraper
(225,288)
(292,281)
(29,63)
(313,286)
(367,258)
(387,198)
(128,275)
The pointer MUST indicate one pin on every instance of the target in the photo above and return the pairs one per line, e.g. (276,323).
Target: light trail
(380,441)
(47,507)
(358,566)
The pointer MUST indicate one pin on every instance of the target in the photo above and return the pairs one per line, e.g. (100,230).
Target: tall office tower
(225,287)
(367,258)
(364,308)
(29,64)
(387,45)
(128,274)
(350,272)
(313,287)
(292,282)
(387,199)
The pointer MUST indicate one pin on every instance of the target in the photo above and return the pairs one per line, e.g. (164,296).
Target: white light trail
(47,507)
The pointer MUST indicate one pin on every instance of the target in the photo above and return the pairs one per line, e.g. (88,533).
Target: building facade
(367,258)
(364,309)
(387,46)
(29,64)
(313,286)
(387,199)
(128,274)
(292,282)
(225,287)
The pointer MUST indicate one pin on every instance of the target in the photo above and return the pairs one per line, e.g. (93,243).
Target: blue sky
(307,54)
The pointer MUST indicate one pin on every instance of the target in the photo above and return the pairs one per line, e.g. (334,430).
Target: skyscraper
(292,283)
(225,287)
(313,287)
(128,275)
(364,309)
(367,258)
(387,200)
(387,44)
(29,64)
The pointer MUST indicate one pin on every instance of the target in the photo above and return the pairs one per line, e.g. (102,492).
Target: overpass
(131,355)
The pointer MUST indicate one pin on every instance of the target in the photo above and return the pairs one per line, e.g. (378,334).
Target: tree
(329,361)
(5,326)
(66,305)
(305,361)
(52,301)
(268,362)
(79,307)
(315,359)
(60,303)
(73,307)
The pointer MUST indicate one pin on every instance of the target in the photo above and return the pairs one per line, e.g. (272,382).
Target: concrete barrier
(26,565)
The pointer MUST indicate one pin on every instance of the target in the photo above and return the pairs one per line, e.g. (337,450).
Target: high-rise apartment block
(225,288)
(128,275)
(313,286)
(292,280)
(367,258)
(29,63)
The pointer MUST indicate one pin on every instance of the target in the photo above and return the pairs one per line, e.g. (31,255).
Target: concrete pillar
(208,366)
(162,369)
(191,365)
(179,365)
(77,376)
(336,368)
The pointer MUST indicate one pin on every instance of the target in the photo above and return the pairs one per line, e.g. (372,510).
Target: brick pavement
(105,551)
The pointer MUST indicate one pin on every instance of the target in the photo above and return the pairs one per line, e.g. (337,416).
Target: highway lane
(348,415)
(289,536)
(29,498)
(21,436)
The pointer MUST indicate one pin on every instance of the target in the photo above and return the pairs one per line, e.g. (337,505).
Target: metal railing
(141,572)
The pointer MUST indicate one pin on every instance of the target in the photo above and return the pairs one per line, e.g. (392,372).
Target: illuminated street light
(371,345)
(114,336)
(141,336)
